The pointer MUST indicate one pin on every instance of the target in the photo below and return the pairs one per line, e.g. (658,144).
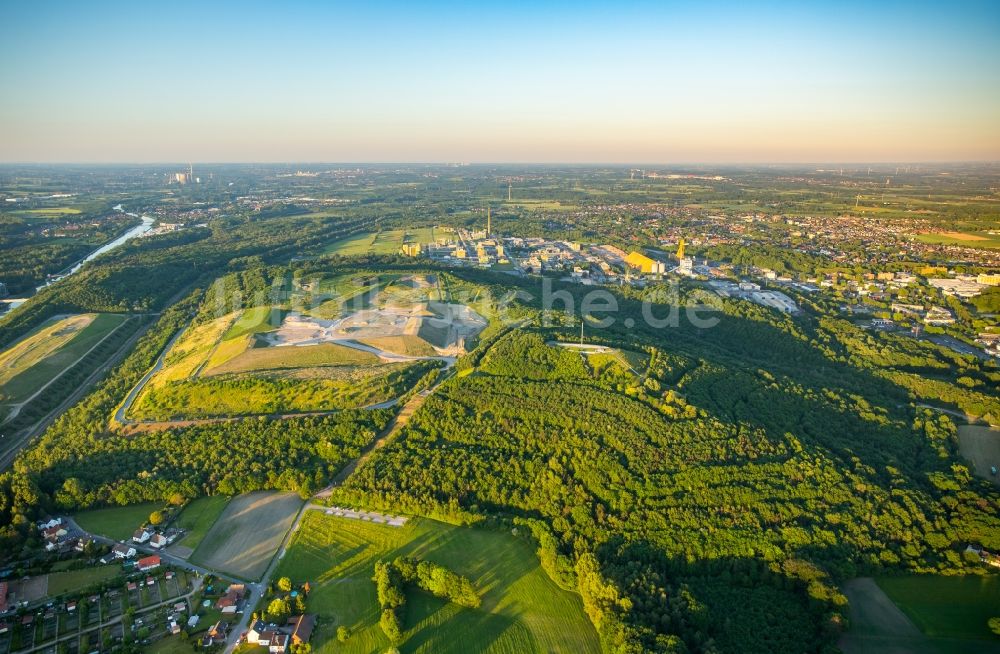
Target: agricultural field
(980,445)
(248,533)
(522,609)
(966,239)
(948,607)
(542,205)
(27,366)
(197,517)
(381,242)
(921,614)
(118,522)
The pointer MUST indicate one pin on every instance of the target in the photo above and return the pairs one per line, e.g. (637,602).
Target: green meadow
(947,606)
(381,242)
(522,610)
(118,522)
(198,516)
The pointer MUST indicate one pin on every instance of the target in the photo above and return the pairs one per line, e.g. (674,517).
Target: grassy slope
(305,356)
(522,611)
(254,321)
(198,517)
(117,522)
(345,387)
(946,607)
(33,362)
(407,344)
(191,351)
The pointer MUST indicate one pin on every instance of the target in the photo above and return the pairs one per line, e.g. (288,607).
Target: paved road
(132,394)
(164,556)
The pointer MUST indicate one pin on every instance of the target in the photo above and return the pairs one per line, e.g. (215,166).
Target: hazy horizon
(569,83)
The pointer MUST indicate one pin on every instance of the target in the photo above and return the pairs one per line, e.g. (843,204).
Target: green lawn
(522,610)
(254,321)
(118,522)
(198,517)
(76,580)
(947,607)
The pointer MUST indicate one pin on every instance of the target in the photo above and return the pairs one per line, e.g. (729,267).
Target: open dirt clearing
(248,533)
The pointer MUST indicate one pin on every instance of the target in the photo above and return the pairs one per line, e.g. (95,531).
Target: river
(138,230)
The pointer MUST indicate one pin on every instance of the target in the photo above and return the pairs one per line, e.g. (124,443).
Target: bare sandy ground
(248,533)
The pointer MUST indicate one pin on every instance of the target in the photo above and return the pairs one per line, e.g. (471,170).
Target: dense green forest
(703,489)
(753,465)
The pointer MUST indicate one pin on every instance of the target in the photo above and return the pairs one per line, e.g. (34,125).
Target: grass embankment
(34,361)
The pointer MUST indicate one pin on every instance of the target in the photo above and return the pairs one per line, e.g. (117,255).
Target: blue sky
(522,82)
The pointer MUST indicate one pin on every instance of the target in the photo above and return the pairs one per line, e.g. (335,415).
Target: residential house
(216,634)
(229,602)
(301,627)
(54,533)
(123,551)
(142,534)
(278,643)
(158,541)
(147,563)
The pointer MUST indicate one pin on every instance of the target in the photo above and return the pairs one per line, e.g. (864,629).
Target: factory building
(644,264)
